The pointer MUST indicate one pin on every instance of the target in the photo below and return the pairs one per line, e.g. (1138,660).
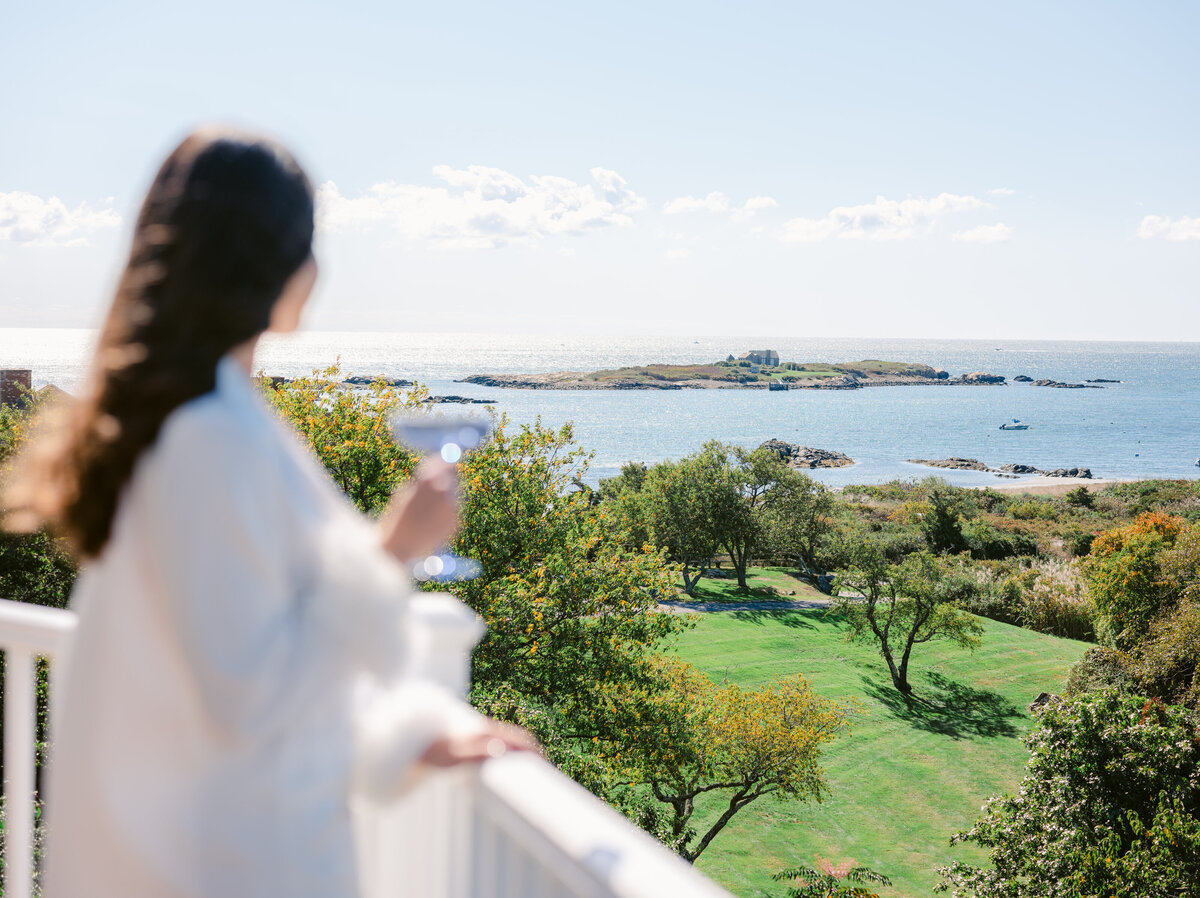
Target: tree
(942,524)
(34,567)
(1109,807)
(900,606)
(623,505)
(796,521)
(349,430)
(1126,576)
(768,506)
(692,737)
(683,503)
(830,880)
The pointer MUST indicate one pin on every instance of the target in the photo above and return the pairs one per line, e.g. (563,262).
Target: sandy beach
(1052,486)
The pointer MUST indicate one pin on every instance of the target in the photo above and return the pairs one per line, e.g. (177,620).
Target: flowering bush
(1110,802)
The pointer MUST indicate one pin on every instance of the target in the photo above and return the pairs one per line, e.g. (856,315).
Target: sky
(1021,170)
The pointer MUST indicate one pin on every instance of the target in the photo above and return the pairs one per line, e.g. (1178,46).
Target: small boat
(1015,425)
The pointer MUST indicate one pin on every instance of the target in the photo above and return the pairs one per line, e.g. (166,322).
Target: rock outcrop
(362,380)
(459,400)
(981,377)
(806,456)
(955,463)
(974,464)
(1059,385)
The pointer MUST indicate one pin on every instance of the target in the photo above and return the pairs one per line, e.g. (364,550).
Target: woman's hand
(423,514)
(491,740)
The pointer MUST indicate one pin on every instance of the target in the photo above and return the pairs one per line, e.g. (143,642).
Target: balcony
(513,826)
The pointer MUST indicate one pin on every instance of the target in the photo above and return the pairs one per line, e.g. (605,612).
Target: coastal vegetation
(866,689)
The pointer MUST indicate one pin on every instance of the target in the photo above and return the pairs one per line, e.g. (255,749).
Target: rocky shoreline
(1009,470)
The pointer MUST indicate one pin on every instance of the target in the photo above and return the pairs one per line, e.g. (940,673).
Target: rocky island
(973,464)
(759,369)
(806,456)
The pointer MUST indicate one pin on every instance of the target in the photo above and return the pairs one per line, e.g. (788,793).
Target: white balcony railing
(511,827)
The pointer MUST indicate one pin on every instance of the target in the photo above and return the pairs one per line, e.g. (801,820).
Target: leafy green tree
(1109,806)
(693,738)
(686,504)
(769,507)
(901,606)
(623,505)
(829,880)
(797,521)
(349,430)
(942,524)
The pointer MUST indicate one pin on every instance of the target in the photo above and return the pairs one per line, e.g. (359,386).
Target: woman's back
(206,715)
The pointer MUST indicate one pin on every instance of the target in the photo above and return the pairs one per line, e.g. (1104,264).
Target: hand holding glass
(448,437)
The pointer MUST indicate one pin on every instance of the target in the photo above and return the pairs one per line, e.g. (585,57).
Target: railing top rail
(533,800)
(34,628)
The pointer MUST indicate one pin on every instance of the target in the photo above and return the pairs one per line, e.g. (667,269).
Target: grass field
(763,584)
(903,780)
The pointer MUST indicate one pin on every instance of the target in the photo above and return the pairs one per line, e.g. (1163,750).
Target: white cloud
(997,233)
(678,254)
(714,202)
(27,218)
(753,205)
(483,207)
(883,219)
(719,203)
(1001,191)
(1155,227)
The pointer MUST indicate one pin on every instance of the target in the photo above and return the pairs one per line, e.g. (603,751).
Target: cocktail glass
(447,436)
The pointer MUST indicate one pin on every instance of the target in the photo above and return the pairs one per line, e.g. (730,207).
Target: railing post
(20,753)
(444,631)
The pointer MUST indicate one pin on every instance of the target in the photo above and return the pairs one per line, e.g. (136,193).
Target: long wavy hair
(225,225)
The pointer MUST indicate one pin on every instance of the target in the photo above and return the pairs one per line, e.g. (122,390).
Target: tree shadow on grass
(798,619)
(947,707)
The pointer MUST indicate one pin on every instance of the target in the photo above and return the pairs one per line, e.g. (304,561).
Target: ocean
(1148,425)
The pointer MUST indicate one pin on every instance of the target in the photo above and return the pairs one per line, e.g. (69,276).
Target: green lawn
(903,780)
(763,583)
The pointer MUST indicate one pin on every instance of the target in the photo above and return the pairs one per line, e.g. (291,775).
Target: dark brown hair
(225,225)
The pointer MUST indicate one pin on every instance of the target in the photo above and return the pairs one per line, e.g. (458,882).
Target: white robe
(204,733)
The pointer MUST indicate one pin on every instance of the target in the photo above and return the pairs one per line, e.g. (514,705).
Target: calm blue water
(1146,426)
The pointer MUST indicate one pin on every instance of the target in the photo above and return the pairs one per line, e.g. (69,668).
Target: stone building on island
(767,357)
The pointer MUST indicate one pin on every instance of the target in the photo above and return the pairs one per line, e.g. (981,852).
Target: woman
(231,603)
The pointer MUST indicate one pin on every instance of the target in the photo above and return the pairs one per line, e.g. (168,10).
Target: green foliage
(1080,497)
(1126,576)
(1112,784)
(1166,664)
(570,612)
(829,880)
(990,543)
(1101,667)
(693,738)
(35,568)
(685,504)
(942,524)
(901,606)
(349,431)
